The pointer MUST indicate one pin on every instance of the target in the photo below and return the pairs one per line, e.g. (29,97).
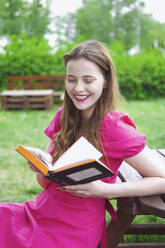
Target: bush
(31,56)
(142,75)
(139,76)
(2,72)
(28,56)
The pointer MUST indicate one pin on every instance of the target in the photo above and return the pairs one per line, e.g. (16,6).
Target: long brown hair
(71,123)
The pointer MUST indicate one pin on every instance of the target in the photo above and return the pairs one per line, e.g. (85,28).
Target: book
(79,164)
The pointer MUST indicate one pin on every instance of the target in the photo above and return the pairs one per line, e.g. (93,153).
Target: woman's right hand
(41,154)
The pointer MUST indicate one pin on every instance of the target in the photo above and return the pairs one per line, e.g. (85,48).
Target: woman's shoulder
(58,113)
(54,125)
(117,125)
(119,135)
(56,119)
(117,119)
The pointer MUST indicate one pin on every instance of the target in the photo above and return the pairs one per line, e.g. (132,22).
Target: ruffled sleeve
(119,136)
(54,125)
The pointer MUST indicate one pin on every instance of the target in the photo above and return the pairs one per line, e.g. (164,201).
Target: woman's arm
(146,163)
(150,166)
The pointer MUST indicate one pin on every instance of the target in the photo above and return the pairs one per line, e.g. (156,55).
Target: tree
(36,18)
(126,22)
(94,20)
(11,17)
(151,31)
(106,20)
(22,16)
(65,28)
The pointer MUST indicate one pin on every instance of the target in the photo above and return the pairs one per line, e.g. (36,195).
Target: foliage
(37,18)
(58,56)
(110,20)
(2,72)
(28,56)
(105,20)
(22,16)
(11,17)
(141,76)
(94,19)
(151,31)
(32,56)
(65,28)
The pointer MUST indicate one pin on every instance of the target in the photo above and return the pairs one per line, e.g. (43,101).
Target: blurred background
(35,34)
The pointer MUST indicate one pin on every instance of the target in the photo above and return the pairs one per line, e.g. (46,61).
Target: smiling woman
(74,216)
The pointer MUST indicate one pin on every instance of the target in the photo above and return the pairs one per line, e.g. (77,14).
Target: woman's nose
(79,86)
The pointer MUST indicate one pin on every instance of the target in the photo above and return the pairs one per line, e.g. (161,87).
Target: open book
(79,164)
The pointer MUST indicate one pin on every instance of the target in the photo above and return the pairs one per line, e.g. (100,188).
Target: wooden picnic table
(129,207)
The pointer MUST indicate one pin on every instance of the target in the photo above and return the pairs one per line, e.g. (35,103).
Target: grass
(18,183)
(149,117)
(18,127)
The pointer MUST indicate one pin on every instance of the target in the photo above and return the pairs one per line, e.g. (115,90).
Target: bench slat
(27,92)
(36,81)
(142,245)
(152,205)
(146,229)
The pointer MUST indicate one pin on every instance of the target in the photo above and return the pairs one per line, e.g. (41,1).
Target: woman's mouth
(81,98)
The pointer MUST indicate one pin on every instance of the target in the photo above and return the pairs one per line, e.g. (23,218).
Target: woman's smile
(81,98)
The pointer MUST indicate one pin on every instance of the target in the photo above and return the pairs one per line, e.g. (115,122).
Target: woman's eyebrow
(84,76)
(89,76)
(69,75)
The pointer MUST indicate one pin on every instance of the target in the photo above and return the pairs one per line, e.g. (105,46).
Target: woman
(74,216)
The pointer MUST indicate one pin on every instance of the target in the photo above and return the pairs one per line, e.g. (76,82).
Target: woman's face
(84,85)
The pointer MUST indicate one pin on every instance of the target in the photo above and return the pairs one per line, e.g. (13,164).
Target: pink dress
(58,219)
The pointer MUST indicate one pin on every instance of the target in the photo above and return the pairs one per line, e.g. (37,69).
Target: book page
(81,150)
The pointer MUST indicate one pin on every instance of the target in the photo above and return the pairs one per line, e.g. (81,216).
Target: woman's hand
(41,155)
(94,189)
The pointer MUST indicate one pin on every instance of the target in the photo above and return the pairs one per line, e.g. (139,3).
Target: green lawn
(18,127)
(18,183)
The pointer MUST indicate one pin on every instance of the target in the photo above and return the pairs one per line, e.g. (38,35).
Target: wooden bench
(128,208)
(38,92)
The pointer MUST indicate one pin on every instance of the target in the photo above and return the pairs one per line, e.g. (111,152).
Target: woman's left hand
(93,189)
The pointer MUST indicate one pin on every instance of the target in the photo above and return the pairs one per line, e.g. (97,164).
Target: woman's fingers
(41,154)
(93,189)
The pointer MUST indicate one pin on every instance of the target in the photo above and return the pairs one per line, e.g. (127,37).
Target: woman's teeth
(81,97)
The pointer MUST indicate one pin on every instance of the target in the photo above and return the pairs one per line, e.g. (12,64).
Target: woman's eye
(88,81)
(71,80)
